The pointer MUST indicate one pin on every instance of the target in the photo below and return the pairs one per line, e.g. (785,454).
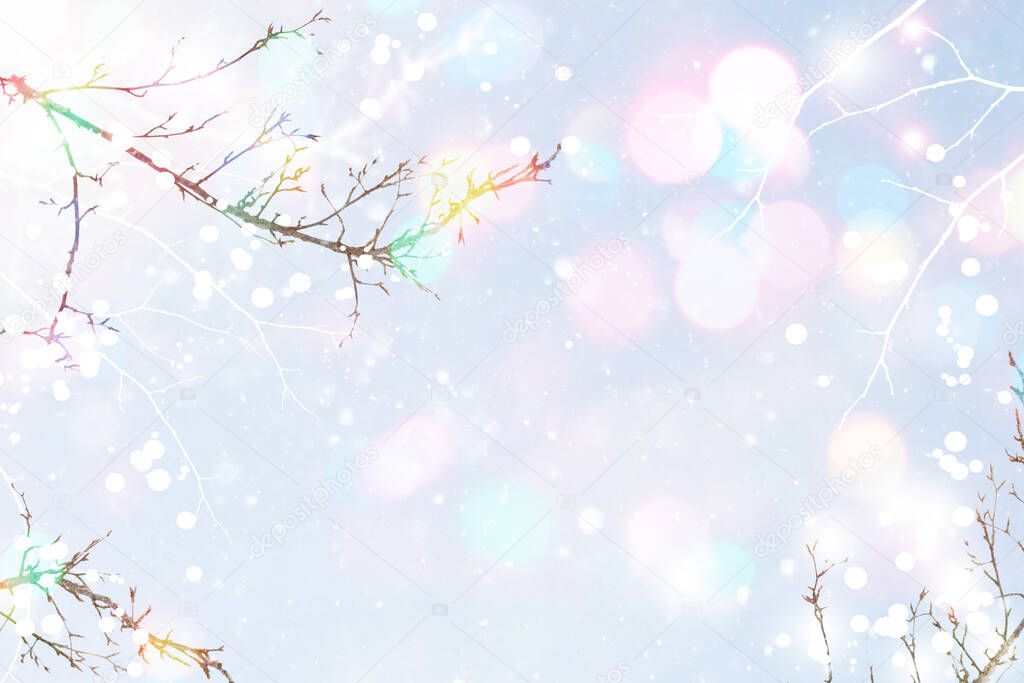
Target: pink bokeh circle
(409,459)
(753,87)
(673,137)
(716,287)
(613,296)
(793,245)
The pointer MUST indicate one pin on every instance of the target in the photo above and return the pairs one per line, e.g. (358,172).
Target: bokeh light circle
(793,245)
(716,287)
(614,295)
(495,516)
(875,254)
(673,137)
(867,456)
(668,537)
(411,458)
(753,87)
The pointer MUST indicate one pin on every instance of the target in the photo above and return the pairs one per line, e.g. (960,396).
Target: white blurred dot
(114,482)
(905,562)
(970,267)
(783,640)
(241,259)
(300,282)
(380,54)
(413,72)
(796,334)
(52,624)
(519,145)
(978,623)
(140,460)
(426,21)
(371,108)
(153,449)
(935,153)
(158,479)
(890,628)
(852,239)
(986,305)
(563,73)
(571,144)
(194,573)
(209,233)
(942,642)
(967,227)
(186,520)
(963,516)
(61,390)
(855,578)
(860,623)
(955,441)
(262,297)
(898,612)
(1004,397)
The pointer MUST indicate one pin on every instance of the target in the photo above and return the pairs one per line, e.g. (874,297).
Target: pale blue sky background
(587,500)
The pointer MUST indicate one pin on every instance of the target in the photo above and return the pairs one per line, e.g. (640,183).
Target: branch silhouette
(257,210)
(42,568)
(971,658)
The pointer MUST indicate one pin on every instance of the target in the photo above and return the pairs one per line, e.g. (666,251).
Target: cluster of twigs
(58,580)
(256,210)
(813,598)
(971,659)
